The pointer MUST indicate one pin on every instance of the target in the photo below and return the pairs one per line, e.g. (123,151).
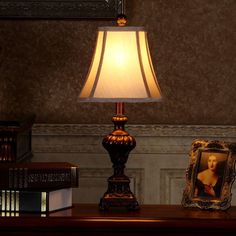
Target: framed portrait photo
(210,175)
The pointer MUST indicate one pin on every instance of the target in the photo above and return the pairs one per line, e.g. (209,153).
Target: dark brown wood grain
(150,220)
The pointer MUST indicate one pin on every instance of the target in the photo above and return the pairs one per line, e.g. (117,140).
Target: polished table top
(150,218)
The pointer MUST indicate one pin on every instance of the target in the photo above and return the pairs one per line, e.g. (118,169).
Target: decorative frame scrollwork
(201,189)
(69,9)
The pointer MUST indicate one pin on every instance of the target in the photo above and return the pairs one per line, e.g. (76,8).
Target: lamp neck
(120,108)
(119,119)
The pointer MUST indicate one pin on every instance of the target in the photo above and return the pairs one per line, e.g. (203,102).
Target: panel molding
(167,177)
(161,154)
(135,174)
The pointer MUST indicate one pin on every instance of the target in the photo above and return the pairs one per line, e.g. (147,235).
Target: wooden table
(150,220)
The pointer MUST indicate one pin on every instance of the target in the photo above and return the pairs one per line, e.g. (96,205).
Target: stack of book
(27,186)
(37,186)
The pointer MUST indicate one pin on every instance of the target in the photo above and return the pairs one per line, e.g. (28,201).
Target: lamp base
(119,144)
(119,194)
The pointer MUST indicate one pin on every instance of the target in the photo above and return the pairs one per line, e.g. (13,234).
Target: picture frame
(61,9)
(210,175)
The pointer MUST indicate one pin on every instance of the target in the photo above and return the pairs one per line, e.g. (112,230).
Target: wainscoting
(156,166)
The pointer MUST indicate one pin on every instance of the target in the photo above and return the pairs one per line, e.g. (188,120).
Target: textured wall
(156,167)
(43,64)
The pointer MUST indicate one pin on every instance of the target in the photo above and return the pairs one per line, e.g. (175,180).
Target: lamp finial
(121,20)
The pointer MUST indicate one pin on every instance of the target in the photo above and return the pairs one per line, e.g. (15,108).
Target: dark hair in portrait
(210,173)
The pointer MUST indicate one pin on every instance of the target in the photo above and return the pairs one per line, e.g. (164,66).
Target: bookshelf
(84,219)
(15,138)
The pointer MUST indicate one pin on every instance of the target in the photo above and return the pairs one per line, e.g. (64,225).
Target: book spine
(7,147)
(24,201)
(3,198)
(26,178)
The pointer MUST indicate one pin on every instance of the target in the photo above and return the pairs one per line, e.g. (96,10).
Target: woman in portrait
(209,181)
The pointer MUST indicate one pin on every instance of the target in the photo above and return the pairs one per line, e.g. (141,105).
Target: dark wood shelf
(15,138)
(150,220)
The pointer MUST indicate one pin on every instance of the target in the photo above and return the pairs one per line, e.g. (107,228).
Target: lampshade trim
(100,64)
(141,65)
(118,28)
(151,66)
(115,100)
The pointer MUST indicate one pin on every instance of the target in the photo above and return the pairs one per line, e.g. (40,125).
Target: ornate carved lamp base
(118,195)
(119,144)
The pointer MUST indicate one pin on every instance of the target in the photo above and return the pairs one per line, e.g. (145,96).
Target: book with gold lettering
(38,175)
(38,201)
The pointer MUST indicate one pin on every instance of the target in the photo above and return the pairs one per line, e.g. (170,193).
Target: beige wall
(156,167)
(43,64)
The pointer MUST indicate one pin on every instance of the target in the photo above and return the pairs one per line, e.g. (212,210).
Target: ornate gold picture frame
(210,175)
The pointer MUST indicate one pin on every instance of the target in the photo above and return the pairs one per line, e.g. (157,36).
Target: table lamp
(121,71)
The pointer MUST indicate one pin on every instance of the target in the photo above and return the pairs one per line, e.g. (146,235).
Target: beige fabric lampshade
(121,70)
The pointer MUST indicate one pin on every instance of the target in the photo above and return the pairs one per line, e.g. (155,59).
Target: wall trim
(147,130)
(151,139)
